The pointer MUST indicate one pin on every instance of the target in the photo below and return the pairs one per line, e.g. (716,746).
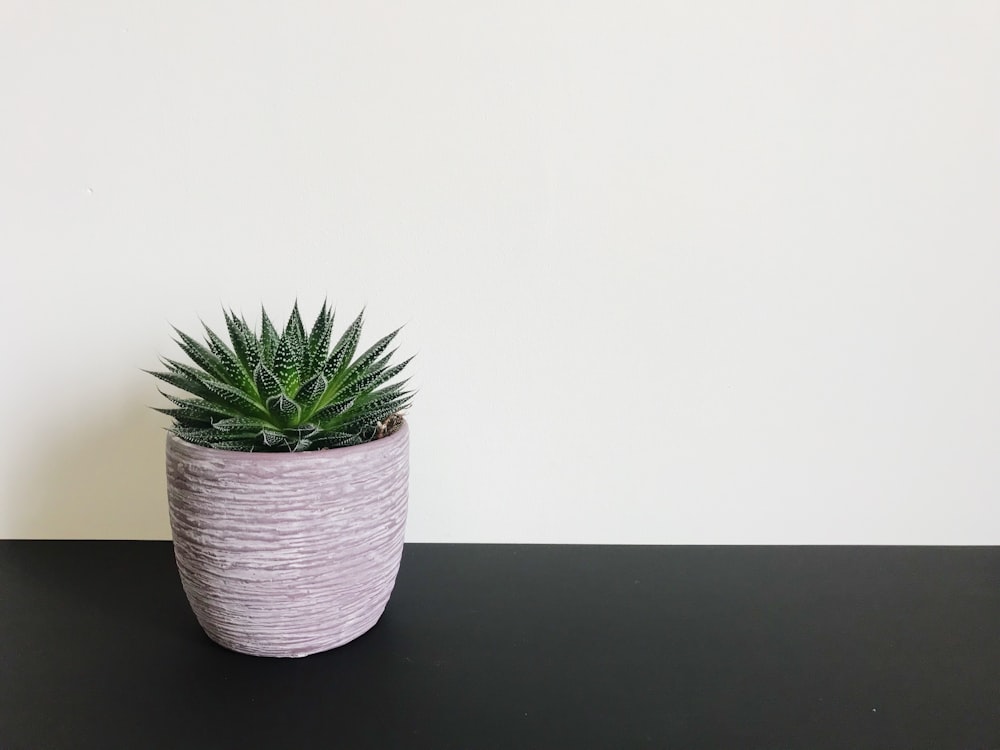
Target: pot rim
(327,453)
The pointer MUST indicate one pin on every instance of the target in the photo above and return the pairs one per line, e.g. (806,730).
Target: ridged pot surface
(288,554)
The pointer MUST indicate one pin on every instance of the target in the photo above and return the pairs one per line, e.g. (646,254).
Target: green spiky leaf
(268,338)
(383,395)
(376,377)
(268,385)
(233,396)
(318,343)
(187,417)
(327,413)
(274,439)
(337,440)
(344,349)
(208,437)
(295,322)
(312,391)
(290,354)
(245,344)
(182,382)
(243,424)
(200,355)
(214,410)
(235,374)
(285,410)
(366,360)
(245,446)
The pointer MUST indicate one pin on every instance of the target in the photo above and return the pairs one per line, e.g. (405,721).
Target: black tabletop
(513,646)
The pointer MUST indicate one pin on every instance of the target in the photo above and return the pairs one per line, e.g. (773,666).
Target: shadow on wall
(101,479)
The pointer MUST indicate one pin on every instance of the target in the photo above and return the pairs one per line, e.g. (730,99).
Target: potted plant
(287,474)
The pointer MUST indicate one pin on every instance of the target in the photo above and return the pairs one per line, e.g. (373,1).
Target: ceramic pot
(288,554)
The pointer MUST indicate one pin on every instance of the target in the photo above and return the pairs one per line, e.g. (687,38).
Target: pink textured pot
(288,554)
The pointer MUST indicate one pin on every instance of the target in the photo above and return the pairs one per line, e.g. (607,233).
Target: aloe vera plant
(287,391)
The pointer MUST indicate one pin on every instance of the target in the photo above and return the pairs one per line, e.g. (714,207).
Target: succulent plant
(287,392)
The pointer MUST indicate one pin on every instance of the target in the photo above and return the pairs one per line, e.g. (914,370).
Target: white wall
(676,272)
